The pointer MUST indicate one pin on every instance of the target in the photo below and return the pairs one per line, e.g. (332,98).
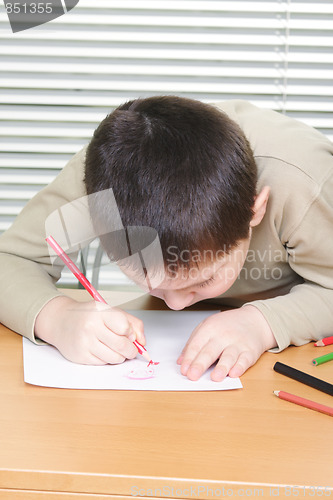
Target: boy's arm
(27,274)
(306,312)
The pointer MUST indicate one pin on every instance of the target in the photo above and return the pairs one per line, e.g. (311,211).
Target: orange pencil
(323,342)
(307,403)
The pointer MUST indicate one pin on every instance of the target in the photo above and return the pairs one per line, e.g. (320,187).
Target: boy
(242,202)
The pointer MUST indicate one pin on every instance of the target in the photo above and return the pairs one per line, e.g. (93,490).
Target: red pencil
(323,342)
(312,405)
(87,285)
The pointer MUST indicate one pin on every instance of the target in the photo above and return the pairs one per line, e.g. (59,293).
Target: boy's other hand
(236,338)
(89,333)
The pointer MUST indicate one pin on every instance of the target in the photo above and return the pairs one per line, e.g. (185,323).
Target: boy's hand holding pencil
(89,332)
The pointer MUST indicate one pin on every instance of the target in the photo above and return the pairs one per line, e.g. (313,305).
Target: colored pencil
(87,285)
(307,403)
(323,359)
(304,378)
(325,341)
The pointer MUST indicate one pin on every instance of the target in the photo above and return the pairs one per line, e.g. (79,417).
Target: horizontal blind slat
(217,6)
(165,70)
(254,39)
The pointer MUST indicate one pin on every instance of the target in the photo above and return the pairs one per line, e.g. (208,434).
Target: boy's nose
(178,300)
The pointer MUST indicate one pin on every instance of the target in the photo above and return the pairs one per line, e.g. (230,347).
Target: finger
(117,321)
(198,339)
(245,360)
(193,346)
(189,355)
(205,358)
(180,359)
(119,344)
(138,329)
(227,360)
(105,355)
(86,358)
(190,340)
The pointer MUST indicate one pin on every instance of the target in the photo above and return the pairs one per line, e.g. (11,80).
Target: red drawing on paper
(151,362)
(141,372)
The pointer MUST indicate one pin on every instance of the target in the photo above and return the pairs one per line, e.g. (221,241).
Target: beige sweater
(288,273)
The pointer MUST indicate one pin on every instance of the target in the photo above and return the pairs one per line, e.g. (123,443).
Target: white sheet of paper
(166,334)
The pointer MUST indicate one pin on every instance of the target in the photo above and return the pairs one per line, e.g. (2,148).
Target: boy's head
(178,166)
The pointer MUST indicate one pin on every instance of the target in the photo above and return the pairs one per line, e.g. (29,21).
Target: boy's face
(184,287)
(213,276)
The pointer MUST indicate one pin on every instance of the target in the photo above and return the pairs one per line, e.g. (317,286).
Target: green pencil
(323,359)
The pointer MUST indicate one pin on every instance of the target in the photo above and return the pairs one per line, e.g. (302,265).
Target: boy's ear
(260,205)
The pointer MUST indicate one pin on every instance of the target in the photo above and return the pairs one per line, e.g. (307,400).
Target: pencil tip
(145,355)
(276,393)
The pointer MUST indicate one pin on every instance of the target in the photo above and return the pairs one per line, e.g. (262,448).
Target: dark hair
(176,165)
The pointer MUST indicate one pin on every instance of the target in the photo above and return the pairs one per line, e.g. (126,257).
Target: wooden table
(81,444)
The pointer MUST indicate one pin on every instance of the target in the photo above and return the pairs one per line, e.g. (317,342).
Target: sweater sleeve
(28,275)
(306,312)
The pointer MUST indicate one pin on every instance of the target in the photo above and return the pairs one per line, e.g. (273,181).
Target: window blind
(59,80)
